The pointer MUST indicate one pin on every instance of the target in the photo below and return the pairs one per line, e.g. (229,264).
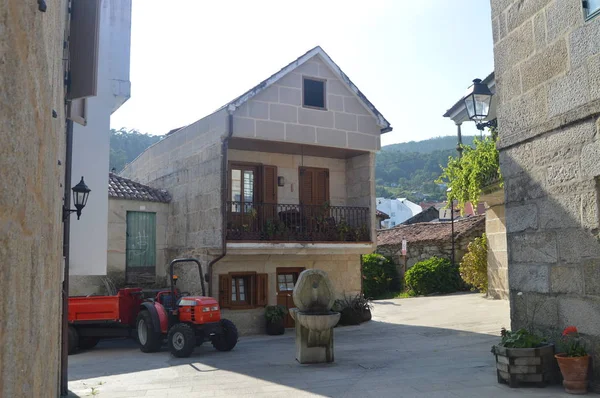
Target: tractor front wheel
(86,343)
(182,340)
(148,338)
(228,337)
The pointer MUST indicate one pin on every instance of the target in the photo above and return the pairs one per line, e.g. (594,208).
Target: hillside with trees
(408,170)
(126,145)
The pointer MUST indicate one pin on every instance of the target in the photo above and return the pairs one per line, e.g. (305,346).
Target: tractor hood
(197,301)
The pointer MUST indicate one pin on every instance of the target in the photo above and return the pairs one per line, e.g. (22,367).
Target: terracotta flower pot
(575,373)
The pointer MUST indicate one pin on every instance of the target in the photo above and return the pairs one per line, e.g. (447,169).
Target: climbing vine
(478,168)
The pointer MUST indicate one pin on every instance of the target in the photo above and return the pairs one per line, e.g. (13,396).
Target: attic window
(313,93)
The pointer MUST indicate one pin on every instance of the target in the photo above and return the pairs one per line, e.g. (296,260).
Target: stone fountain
(314,296)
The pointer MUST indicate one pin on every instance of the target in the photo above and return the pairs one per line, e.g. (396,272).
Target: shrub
(435,275)
(275,313)
(473,267)
(379,275)
(354,309)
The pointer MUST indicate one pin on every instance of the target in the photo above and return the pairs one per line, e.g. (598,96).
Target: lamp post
(452,224)
(478,99)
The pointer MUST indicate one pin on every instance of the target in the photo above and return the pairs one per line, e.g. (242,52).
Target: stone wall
(547,61)
(277,114)
(360,186)
(343,270)
(419,251)
(495,230)
(188,163)
(117,239)
(32,158)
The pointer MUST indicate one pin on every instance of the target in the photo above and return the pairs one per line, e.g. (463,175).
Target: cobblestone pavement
(421,347)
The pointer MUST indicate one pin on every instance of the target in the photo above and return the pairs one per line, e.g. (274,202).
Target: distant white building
(399,210)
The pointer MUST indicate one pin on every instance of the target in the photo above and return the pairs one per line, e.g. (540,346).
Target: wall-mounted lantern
(477,101)
(80,197)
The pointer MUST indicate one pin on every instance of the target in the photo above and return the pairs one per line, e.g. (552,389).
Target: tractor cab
(185,320)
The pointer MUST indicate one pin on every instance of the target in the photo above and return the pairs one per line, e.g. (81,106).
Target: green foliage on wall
(468,176)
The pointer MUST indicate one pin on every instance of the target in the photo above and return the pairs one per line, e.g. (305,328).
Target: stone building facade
(32,158)
(547,64)
(280,179)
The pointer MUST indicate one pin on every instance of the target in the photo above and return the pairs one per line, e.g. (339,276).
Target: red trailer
(184,321)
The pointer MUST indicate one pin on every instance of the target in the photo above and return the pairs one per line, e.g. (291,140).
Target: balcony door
(314,186)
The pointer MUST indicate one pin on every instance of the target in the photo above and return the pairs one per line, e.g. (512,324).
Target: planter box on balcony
(526,365)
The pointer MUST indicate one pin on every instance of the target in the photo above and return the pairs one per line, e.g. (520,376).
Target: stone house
(428,239)
(278,180)
(137,239)
(547,67)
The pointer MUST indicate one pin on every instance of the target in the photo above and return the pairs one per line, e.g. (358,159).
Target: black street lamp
(80,197)
(478,100)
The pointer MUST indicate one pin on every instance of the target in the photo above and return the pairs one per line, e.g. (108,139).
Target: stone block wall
(32,158)
(188,163)
(495,229)
(277,114)
(343,270)
(360,186)
(547,61)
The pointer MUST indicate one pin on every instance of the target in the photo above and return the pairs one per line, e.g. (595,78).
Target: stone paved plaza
(421,347)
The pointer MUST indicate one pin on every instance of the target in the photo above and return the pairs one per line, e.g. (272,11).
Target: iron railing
(285,222)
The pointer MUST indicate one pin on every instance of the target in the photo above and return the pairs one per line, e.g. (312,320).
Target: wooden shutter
(269,184)
(306,186)
(83,48)
(225,291)
(77,111)
(321,187)
(262,290)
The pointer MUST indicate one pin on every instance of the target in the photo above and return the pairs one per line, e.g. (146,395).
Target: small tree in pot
(275,315)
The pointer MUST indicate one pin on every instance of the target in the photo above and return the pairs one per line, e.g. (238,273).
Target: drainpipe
(224,148)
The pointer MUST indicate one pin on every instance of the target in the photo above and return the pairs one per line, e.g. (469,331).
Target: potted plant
(524,357)
(354,309)
(573,361)
(274,316)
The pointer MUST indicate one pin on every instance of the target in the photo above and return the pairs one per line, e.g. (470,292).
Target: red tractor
(185,321)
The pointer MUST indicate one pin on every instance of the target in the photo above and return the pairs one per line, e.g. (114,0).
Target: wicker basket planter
(526,365)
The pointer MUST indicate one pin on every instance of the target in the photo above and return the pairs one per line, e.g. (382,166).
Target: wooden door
(243,183)
(314,198)
(286,280)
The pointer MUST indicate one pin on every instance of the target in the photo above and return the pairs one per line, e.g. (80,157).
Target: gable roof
(429,231)
(239,101)
(381,215)
(124,188)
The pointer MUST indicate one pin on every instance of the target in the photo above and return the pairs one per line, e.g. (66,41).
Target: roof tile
(124,188)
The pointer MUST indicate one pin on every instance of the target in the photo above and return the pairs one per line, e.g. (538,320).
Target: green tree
(126,145)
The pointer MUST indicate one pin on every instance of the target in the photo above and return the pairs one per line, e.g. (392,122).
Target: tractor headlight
(215,308)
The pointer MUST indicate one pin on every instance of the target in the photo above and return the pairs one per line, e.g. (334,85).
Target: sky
(412,59)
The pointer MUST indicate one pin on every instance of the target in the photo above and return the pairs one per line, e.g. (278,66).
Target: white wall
(399,210)
(88,244)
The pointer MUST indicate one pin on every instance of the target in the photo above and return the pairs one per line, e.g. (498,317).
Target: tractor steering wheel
(183,294)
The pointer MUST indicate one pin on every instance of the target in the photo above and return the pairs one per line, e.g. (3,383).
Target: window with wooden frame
(243,181)
(243,290)
(313,93)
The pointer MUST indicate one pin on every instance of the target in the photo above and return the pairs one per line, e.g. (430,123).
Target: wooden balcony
(297,223)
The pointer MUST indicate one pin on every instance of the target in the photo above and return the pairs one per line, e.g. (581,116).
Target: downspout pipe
(224,164)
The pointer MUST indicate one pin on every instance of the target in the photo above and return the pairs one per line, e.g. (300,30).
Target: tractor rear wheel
(182,340)
(86,343)
(148,338)
(228,337)
(73,340)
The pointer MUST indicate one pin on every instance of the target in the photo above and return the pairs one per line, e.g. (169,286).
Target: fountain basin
(318,322)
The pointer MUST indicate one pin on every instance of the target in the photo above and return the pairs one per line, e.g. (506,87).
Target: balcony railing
(282,222)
